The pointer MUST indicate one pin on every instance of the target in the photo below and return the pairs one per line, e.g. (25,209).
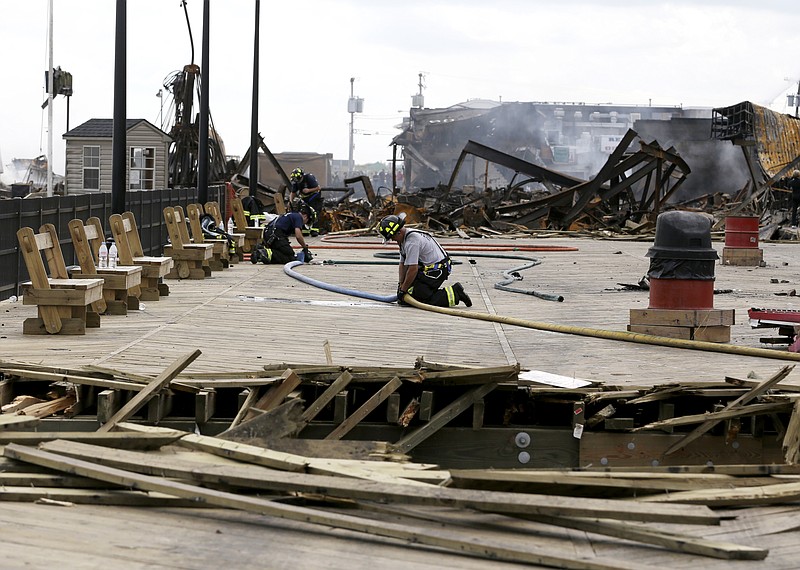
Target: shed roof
(104,128)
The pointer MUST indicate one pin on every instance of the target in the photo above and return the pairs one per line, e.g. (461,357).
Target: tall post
(254,123)
(352,114)
(119,158)
(202,151)
(50,80)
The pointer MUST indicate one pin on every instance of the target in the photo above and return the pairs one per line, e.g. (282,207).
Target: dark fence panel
(147,207)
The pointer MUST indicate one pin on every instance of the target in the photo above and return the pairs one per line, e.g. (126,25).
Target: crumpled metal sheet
(776,135)
(777,139)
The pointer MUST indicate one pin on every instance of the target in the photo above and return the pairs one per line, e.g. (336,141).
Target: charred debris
(745,153)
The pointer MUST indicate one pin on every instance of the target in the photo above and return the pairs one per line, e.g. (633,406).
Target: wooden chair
(221,251)
(212,208)
(121,287)
(62,303)
(129,248)
(252,235)
(191,259)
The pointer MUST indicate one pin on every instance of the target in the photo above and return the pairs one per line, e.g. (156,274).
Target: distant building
(312,162)
(89,156)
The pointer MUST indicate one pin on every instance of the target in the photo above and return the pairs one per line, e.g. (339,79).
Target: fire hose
(624,336)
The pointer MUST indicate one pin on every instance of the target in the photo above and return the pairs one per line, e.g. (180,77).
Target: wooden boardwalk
(249,316)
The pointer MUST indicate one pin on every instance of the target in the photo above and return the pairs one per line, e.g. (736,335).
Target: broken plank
(726,414)
(141,398)
(118,497)
(362,412)
(49,407)
(276,394)
(250,399)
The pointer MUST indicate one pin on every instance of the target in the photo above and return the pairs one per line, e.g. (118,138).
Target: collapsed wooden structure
(123,463)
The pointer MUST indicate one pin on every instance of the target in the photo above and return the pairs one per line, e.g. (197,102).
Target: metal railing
(147,207)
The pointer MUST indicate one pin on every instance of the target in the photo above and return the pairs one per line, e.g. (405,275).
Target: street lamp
(354,105)
(160,95)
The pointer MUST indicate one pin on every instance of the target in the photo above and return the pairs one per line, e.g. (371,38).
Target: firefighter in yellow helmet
(306,188)
(424,265)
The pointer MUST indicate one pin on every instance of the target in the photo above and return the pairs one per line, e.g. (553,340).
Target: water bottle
(102,256)
(112,255)
(230,225)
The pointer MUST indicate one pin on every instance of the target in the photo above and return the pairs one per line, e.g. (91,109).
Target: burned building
(575,139)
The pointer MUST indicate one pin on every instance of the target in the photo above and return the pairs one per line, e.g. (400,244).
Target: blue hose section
(509,276)
(288,269)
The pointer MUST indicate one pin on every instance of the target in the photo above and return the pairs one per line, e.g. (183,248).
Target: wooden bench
(129,249)
(62,303)
(191,259)
(212,208)
(121,287)
(221,251)
(252,234)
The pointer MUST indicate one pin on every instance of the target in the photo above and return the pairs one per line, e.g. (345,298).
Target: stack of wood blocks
(710,325)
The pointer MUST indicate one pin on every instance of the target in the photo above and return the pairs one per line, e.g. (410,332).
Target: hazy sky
(694,53)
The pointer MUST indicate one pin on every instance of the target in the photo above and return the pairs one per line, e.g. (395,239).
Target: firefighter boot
(461,295)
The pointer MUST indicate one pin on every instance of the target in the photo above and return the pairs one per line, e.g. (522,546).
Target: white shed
(89,156)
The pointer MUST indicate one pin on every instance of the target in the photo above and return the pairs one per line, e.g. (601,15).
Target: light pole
(354,105)
(160,96)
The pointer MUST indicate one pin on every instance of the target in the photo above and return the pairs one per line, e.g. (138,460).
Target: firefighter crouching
(424,265)
(275,247)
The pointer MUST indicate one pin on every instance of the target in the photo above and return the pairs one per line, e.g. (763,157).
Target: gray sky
(694,53)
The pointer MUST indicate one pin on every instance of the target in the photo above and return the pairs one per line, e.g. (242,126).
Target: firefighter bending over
(274,246)
(424,265)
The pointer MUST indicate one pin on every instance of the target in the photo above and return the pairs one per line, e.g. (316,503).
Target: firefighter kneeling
(424,265)
(274,246)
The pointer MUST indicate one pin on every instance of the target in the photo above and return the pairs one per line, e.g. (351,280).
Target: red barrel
(741,231)
(681,293)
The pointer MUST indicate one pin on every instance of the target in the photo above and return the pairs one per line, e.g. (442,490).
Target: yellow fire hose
(611,335)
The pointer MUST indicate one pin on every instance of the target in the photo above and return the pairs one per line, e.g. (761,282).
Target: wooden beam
(205,405)
(791,439)
(108,402)
(119,440)
(426,406)
(673,541)
(149,391)
(362,412)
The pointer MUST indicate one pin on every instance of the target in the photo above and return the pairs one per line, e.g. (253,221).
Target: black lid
(683,235)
